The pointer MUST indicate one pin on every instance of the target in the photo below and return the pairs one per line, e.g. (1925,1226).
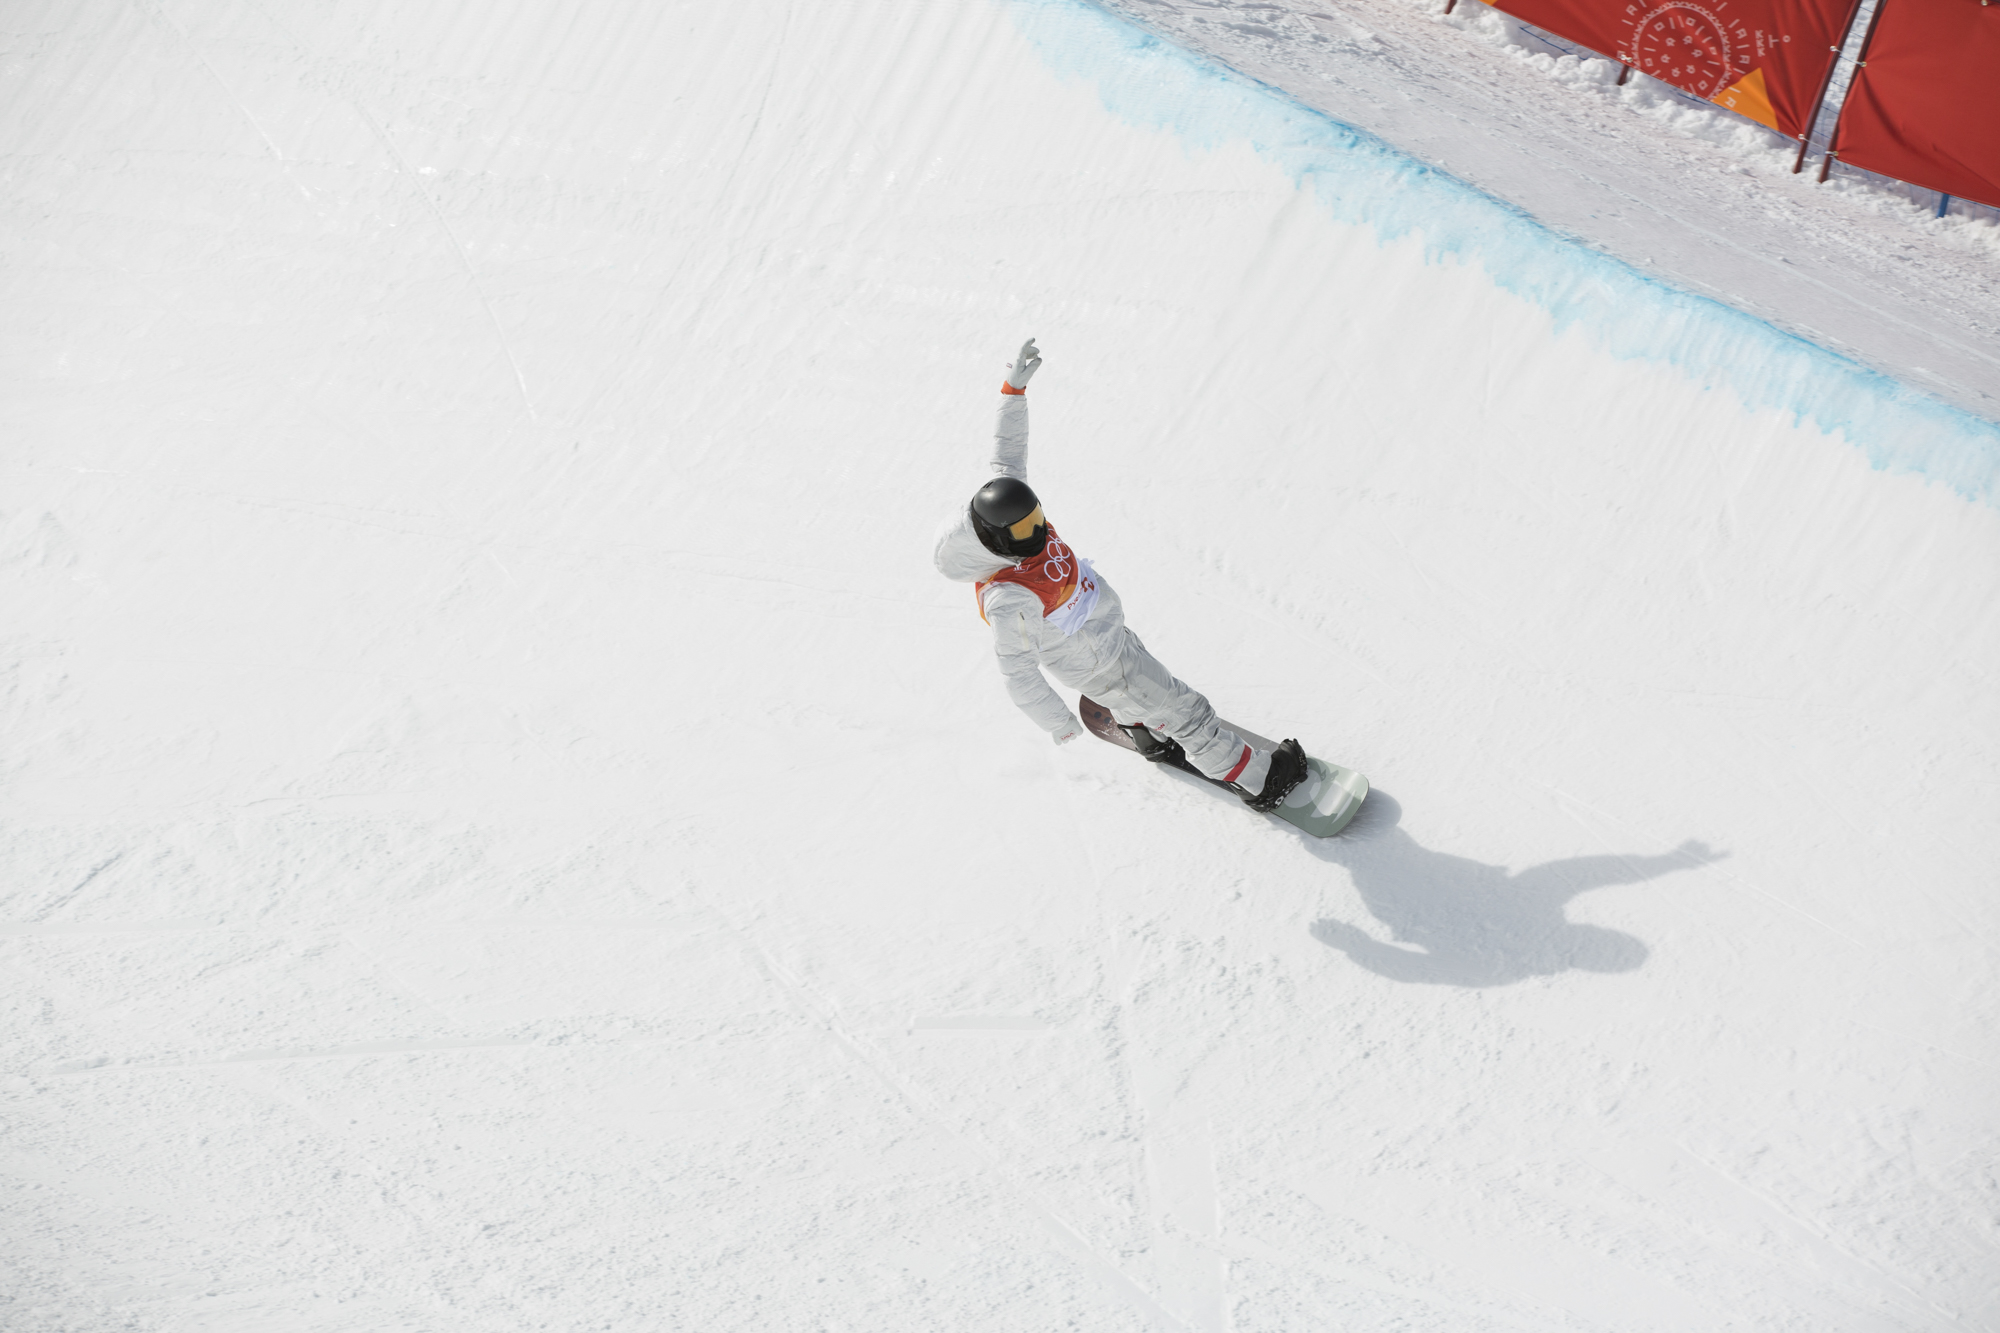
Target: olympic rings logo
(1055,563)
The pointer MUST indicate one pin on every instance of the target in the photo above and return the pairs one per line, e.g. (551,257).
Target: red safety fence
(1766,59)
(1925,103)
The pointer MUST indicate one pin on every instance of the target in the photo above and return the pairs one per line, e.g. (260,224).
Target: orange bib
(1051,576)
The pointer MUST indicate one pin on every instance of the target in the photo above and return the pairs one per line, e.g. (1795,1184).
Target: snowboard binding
(1288,766)
(1316,797)
(1156,748)
(1288,769)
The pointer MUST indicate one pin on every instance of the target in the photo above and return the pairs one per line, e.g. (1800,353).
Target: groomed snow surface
(505,830)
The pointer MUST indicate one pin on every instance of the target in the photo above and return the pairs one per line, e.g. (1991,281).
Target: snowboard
(1323,803)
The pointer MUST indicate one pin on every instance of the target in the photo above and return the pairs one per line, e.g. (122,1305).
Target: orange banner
(1765,59)
(1925,105)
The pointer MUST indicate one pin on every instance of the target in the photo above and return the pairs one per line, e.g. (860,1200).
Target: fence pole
(1860,63)
(1805,140)
(1625,70)
(1944,202)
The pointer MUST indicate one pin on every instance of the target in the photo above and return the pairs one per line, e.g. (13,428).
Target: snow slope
(1695,195)
(504,829)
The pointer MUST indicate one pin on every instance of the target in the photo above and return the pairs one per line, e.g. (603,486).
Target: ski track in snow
(480,860)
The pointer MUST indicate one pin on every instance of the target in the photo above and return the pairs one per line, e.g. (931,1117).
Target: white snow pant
(1141,689)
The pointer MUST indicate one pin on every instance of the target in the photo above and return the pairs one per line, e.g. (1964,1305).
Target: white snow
(505,830)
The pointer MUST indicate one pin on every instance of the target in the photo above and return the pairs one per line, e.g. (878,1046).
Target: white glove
(1064,735)
(1025,365)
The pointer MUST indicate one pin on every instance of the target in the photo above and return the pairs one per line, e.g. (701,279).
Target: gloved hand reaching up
(1024,367)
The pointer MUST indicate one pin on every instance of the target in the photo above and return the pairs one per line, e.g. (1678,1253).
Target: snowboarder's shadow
(1460,922)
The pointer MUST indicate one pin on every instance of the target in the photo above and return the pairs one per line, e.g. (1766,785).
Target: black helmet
(1000,504)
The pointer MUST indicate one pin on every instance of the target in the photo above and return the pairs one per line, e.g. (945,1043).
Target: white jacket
(1025,642)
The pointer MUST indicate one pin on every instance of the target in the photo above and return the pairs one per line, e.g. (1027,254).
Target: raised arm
(1010,432)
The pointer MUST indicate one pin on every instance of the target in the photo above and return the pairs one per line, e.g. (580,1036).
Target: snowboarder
(1049,610)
